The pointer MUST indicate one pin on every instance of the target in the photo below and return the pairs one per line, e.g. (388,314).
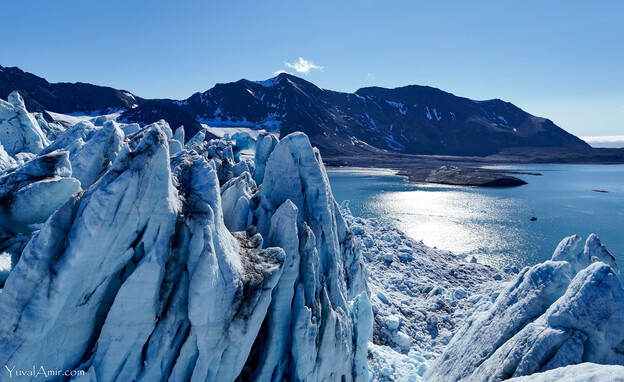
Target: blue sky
(563,60)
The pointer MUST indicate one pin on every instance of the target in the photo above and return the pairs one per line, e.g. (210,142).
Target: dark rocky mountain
(41,96)
(411,119)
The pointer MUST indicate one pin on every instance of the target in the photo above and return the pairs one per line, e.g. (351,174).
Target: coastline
(473,171)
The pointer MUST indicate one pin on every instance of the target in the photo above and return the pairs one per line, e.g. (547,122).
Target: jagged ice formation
(128,255)
(143,259)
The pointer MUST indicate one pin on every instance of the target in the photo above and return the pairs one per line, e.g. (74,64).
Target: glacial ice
(151,265)
(45,182)
(130,255)
(19,130)
(236,195)
(264,146)
(419,299)
(553,315)
(73,139)
(582,372)
(294,172)
(176,143)
(6,161)
(53,298)
(97,155)
(52,130)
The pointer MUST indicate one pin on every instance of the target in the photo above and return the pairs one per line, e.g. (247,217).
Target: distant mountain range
(411,119)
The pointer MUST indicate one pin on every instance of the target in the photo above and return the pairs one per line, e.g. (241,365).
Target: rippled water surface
(494,224)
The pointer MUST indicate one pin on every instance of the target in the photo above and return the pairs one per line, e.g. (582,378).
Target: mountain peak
(284,78)
(410,119)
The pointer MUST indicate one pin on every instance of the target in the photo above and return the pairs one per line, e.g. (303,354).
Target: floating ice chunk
(392,322)
(402,339)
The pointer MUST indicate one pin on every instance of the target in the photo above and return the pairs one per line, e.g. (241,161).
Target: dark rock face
(411,119)
(154,110)
(40,95)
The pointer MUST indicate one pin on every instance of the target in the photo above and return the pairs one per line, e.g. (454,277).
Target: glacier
(19,130)
(130,255)
(562,312)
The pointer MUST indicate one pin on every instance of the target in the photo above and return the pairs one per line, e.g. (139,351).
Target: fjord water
(493,224)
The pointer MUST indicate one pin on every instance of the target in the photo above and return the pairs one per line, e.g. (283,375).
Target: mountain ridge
(411,119)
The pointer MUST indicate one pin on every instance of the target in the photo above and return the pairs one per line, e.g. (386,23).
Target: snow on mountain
(411,119)
(127,254)
(74,118)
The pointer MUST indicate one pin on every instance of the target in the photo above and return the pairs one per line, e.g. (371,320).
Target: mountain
(411,119)
(41,96)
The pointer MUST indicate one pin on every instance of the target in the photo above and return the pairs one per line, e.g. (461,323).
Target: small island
(462,176)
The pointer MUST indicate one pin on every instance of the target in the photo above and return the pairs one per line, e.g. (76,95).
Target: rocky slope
(411,119)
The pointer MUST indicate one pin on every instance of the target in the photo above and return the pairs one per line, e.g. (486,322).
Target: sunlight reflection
(464,223)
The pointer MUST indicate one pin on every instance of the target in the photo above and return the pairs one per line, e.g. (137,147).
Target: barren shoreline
(469,171)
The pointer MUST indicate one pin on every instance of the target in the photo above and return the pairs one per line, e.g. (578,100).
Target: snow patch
(402,109)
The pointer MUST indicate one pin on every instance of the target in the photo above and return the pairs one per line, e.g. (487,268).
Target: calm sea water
(494,224)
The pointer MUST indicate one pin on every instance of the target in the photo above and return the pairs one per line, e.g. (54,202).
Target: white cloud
(280,72)
(370,76)
(303,66)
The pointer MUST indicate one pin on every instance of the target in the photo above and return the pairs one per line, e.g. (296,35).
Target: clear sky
(563,60)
